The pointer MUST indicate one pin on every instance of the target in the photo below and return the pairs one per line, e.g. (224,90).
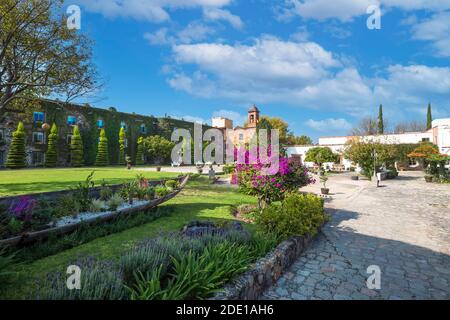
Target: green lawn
(198,201)
(14,182)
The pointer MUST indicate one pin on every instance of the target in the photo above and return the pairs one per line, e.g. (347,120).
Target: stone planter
(158,169)
(429,179)
(325,191)
(355,178)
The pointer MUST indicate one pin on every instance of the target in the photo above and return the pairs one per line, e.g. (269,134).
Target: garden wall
(266,271)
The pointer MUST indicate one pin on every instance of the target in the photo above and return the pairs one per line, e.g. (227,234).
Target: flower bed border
(31,237)
(266,271)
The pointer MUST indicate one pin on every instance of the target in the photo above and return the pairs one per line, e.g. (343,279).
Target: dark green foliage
(16,155)
(76,148)
(380,120)
(296,215)
(6,262)
(229,168)
(429,117)
(140,151)
(161,191)
(158,149)
(102,152)
(51,157)
(122,137)
(172,184)
(320,155)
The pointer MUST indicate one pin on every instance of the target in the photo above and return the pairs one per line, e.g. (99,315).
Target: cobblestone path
(402,227)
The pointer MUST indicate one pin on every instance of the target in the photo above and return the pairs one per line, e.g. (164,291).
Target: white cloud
(148,10)
(215,14)
(194,31)
(329,124)
(435,29)
(238,119)
(305,75)
(347,10)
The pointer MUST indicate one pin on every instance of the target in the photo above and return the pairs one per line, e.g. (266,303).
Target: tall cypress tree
(76,148)
(140,151)
(102,152)
(51,157)
(380,120)
(429,118)
(122,137)
(16,155)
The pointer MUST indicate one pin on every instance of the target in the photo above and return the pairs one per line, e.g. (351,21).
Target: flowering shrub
(253,181)
(23,208)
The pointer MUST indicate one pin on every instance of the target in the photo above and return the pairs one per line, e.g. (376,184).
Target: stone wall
(266,271)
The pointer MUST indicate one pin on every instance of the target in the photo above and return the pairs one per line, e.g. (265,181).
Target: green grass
(198,201)
(15,182)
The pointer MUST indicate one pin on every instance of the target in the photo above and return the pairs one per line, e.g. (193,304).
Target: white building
(439,135)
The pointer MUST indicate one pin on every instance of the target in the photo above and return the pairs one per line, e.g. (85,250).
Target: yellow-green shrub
(296,215)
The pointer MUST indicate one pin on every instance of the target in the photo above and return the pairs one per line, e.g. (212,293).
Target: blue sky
(312,62)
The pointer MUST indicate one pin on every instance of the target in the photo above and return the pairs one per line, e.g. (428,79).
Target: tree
(424,152)
(39,55)
(370,155)
(429,117)
(102,152)
(140,151)
(51,157)
(380,120)
(275,123)
(76,148)
(122,138)
(366,126)
(300,141)
(411,126)
(321,155)
(158,149)
(16,155)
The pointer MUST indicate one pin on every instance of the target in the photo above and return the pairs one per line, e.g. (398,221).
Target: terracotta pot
(325,190)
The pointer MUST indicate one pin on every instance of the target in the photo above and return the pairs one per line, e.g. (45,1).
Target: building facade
(38,116)
(439,134)
(239,136)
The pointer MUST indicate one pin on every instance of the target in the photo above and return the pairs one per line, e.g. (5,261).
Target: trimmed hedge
(51,157)
(76,149)
(16,155)
(102,153)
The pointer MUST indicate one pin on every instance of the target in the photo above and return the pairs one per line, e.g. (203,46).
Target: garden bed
(68,224)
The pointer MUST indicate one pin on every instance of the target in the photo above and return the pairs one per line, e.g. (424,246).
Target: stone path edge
(266,271)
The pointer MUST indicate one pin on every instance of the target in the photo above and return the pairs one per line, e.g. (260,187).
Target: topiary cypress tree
(429,117)
(16,155)
(102,152)
(76,148)
(140,151)
(122,137)
(380,120)
(51,157)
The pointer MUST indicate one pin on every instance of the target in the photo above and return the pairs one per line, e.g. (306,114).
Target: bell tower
(253,117)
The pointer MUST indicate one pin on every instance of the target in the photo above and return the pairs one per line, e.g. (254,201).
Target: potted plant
(158,168)
(324,180)
(128,161)
(428,178)
(355,177)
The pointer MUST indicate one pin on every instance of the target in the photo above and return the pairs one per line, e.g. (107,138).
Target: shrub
(122,138)
(140,151)
(51,157)
(161,191)
(100,280)
(97,205)
(150,193)
(297,215)
(102,159)
(321,155)
(115,202)
(229,168)
(16,155)
(66,205)
(158,149)
(172,184)
(82,192)
(105,193)
(76,148)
